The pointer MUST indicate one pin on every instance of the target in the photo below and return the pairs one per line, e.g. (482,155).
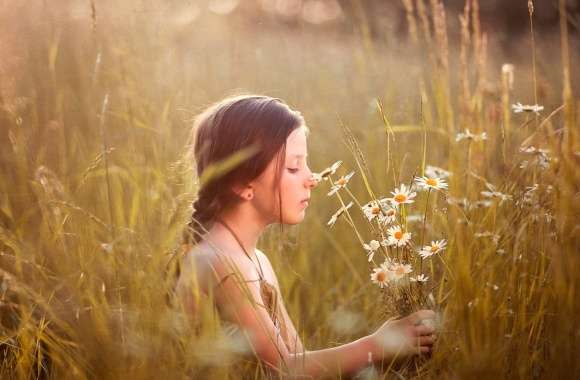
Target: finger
(424,314)
(426,340)
(418,349)
(424,330)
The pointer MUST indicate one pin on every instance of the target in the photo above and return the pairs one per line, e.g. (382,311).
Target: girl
(232,210)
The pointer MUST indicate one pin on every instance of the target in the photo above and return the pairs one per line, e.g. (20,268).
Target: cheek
(290,185)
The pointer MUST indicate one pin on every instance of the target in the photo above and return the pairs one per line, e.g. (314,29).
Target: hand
(411,335)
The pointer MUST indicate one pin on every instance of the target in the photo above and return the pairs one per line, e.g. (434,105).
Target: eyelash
(293,170)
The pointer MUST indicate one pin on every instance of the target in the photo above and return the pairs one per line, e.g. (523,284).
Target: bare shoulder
(197,258)
(211,267)
(194,268)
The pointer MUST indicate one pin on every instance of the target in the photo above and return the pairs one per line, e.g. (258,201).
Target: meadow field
(97,100)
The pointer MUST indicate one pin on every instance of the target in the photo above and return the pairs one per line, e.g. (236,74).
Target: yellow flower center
(381,276)
(398,235)
(431,182)
(434,248)
(400,270)
(341,181)
(400,198)
(391,212)
(375,210)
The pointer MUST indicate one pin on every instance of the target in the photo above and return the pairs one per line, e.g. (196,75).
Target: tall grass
(97,101)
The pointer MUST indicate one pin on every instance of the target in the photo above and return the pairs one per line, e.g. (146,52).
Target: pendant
(270,299)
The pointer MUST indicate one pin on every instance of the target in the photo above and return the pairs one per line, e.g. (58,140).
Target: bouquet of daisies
(400,260)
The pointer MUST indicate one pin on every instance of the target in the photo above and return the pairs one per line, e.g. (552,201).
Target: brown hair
(226,128)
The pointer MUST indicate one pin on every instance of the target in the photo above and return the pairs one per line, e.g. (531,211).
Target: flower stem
(424,228)
(348,214)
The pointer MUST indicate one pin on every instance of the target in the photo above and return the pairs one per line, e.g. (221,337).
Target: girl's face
(294,187)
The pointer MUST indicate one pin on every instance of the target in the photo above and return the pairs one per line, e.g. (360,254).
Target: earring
(249,196)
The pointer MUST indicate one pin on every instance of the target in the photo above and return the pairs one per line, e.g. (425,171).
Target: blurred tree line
(386,18)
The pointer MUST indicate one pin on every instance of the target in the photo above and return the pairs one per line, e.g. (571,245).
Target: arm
(240,302)
(330,362)
(238,298)
(290,335)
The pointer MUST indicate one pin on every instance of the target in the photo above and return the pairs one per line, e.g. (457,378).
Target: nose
(311,182)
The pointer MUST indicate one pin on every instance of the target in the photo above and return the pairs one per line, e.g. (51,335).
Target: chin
(294,219)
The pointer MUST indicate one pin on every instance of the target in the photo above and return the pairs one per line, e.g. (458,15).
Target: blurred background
(97,100)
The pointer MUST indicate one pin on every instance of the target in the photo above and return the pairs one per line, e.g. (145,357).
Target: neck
(245,222)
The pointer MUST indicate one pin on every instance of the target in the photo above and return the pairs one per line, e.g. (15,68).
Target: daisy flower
(487,234)
(389,216)
(371,248)
(482,203)
(372,209)
(464,203)
(419,278)
(337,214)
(467,135)
(340,183)
(435,247)
(434,183)
(402,195)
(327,172)
(381,210)
(434,171)
(494,194)
(541,155)
(533,150)
(414,218)
(398,237)
(519,108)
(381,275)
(398,271)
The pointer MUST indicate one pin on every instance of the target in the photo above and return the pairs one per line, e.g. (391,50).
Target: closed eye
(293,170)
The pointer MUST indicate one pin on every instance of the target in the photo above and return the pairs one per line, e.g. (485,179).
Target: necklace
(267,291)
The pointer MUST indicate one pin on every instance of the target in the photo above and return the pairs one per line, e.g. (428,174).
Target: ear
(241,189)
